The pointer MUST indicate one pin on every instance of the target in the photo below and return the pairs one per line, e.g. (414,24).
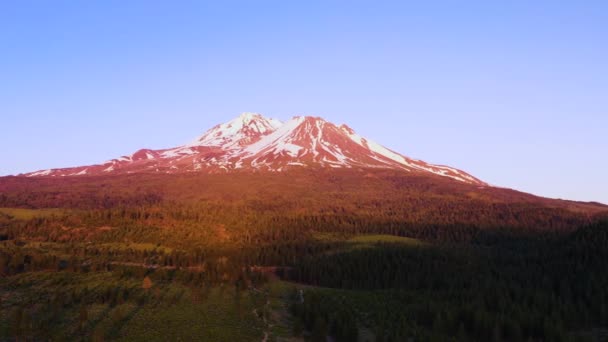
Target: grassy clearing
(352,243)
(136,246)
(367,239)
(327,236)
(166,310)
(373,239)
(221,316)
(28,214)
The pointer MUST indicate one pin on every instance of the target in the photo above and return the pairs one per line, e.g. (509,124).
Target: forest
(376,256)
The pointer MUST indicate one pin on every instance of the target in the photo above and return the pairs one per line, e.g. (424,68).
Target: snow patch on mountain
(245,129)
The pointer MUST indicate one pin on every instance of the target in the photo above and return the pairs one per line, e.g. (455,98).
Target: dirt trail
(265,310)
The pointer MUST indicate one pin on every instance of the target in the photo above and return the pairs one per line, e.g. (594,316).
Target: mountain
(254,175)
(254,142)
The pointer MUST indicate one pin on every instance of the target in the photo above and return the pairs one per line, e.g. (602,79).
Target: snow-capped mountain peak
(245,129)
(252,141)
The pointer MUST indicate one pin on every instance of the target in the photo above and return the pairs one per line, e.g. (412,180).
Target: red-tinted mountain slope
(253,142)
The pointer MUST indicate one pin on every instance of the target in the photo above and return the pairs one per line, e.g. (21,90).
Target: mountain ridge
(252,141)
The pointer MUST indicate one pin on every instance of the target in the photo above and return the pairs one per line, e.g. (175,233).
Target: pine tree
(147,283)
(83,317)
(17,323)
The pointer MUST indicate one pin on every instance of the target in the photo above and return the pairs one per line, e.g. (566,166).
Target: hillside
(246,204)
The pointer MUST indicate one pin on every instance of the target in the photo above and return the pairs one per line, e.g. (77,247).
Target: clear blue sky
(514,92)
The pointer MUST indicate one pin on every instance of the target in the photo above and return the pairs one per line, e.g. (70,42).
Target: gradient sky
(514,92)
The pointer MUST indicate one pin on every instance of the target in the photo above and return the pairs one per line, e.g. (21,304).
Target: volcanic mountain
(254,142)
